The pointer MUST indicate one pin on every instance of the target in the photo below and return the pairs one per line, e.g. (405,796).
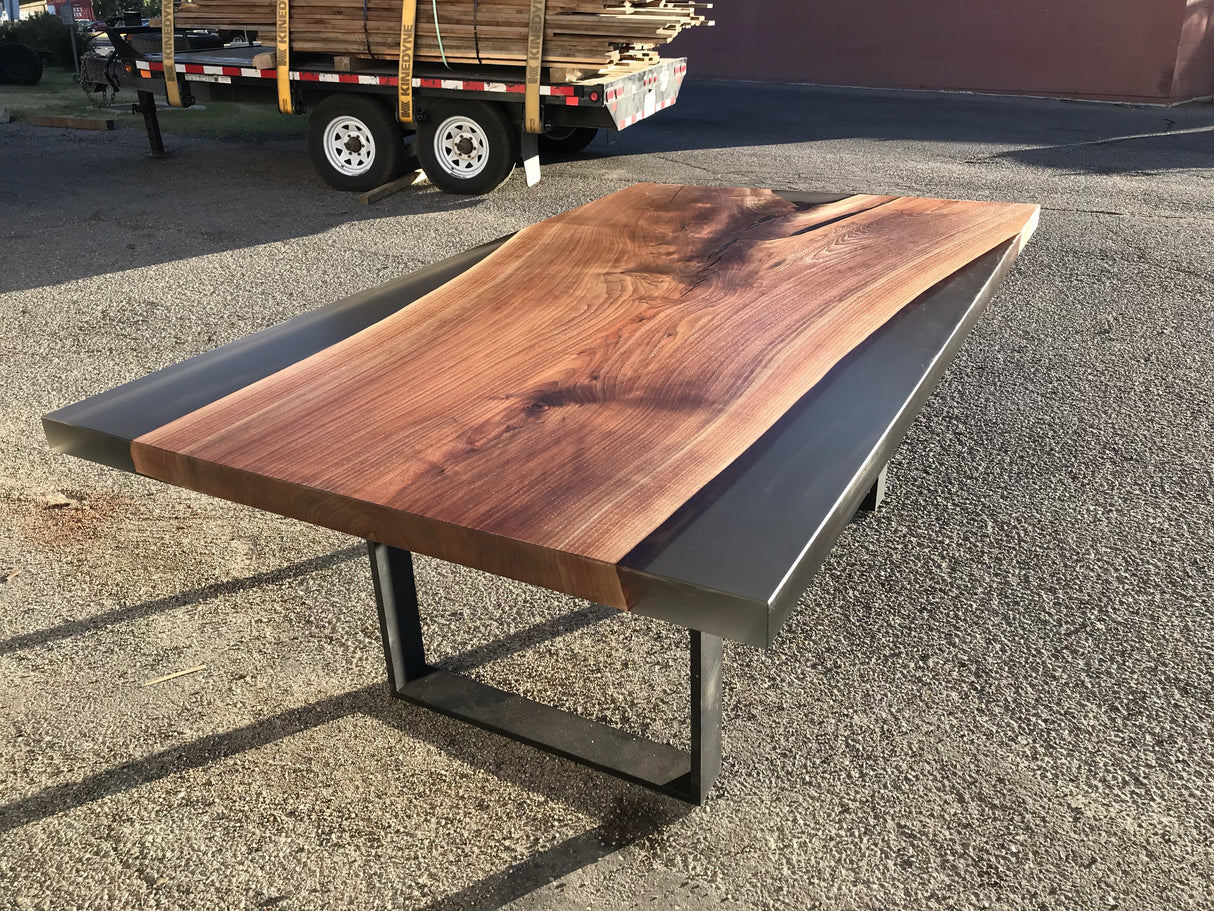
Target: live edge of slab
(670,400)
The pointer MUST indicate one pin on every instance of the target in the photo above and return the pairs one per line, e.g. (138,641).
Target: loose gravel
(996,694)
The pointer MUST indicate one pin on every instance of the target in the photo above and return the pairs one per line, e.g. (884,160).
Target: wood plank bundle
(590,33)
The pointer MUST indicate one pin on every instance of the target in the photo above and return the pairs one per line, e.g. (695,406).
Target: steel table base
(876,494)
(687,776)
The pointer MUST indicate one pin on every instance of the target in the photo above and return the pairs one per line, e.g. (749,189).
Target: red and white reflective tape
(198,69)
(561,94)
(642,114)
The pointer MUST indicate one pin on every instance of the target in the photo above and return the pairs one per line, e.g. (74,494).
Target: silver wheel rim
(349,146)
(461,147)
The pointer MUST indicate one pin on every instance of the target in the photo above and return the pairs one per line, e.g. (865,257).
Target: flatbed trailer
(468,132)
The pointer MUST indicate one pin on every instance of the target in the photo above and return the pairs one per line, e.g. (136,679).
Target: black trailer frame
(569,109)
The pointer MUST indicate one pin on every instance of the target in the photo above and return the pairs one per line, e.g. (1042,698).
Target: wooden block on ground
(71,123)
(412,179)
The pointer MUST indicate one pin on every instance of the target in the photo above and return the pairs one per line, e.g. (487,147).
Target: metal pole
(147,107)
(75,50)
(67,15)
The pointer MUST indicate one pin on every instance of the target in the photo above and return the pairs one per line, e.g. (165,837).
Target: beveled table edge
(759,517)
(101,427)
(668,575)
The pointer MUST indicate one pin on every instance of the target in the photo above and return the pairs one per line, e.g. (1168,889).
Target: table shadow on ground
(96,622)
(627,812)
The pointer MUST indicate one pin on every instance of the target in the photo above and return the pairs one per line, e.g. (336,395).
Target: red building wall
(1195,58)
(1131,50)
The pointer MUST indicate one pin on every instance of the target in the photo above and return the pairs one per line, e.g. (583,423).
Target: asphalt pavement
(997,693)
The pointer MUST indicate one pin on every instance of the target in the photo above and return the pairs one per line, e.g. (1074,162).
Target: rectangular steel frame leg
(876,493)
(687,776)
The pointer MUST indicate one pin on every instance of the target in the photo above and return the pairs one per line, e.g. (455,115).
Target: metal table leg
(876,493)
(687,776)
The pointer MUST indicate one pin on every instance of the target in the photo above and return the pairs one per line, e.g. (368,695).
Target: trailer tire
(20,65)
(467,146)
(566,140)
(355,142)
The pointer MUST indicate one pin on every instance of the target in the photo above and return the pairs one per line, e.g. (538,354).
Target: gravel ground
(997,693)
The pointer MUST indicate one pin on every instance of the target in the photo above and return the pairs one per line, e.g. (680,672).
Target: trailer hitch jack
(147,107)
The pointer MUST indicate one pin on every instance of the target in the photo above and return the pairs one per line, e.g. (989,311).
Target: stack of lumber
(595,34)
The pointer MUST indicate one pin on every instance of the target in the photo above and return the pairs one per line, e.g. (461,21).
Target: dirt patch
(63,519)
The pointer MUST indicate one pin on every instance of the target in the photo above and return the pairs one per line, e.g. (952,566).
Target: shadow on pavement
(128,211)
(1164,151)
(182,599)
(527,638)
(632,813)
(196,754)
(628,823)
(720,115)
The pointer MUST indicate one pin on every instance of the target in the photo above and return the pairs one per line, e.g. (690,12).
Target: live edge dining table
(670,401)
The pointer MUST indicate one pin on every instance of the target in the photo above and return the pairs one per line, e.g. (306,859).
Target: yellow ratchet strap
(167,42)
(532,121)
(404,75)
(282,53)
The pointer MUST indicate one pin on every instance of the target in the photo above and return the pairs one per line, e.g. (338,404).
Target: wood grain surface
(540,415)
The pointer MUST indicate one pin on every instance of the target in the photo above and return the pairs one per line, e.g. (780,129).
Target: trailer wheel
(566,140)
(20,65)
(355,142)
(466,146)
